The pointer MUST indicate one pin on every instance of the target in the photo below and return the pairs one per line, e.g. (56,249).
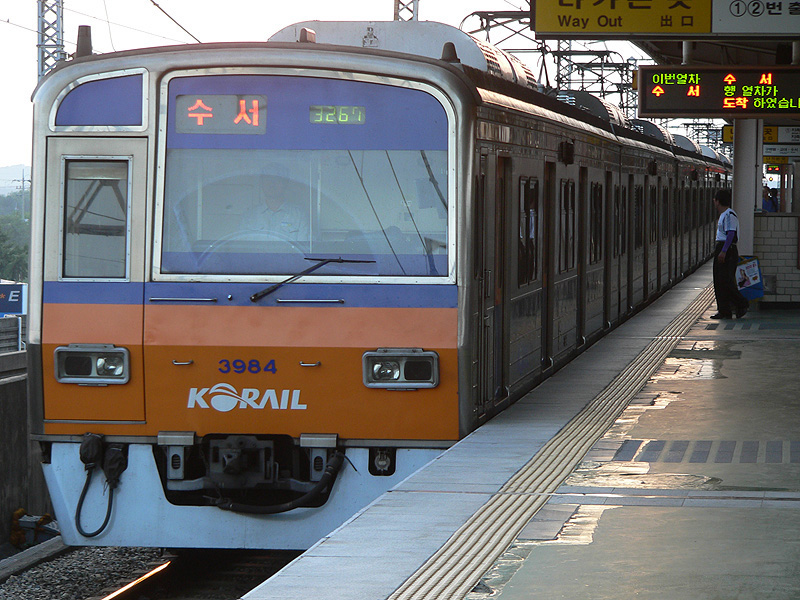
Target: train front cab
(155,327)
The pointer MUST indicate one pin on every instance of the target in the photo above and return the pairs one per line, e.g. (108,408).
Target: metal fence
(12,333)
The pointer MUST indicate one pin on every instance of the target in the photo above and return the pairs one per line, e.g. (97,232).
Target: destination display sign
(719,92)
(221,113)
(619,18)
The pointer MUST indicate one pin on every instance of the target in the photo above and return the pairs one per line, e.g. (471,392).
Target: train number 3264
(251,366)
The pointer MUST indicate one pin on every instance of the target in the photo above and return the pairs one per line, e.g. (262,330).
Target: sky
(127,24)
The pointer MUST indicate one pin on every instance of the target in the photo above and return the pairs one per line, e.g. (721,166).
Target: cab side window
(95,219)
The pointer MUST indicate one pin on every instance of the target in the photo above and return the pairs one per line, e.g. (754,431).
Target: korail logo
(223,397)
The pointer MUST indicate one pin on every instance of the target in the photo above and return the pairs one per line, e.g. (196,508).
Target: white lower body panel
(142,516)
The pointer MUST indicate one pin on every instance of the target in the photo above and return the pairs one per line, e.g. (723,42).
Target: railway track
(201,575)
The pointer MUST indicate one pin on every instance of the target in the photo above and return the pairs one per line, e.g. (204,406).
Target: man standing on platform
(726,257)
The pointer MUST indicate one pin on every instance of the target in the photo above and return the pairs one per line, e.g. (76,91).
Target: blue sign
(13,298)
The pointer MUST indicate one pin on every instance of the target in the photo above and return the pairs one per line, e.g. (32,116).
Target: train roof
(653,130)
(421,38)
(595,106)
(684,142)
(478,60)
(480,65)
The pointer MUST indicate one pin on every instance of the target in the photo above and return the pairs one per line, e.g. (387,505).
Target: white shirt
(728,221)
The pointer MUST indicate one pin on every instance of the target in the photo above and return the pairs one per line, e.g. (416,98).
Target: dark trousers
(729,298)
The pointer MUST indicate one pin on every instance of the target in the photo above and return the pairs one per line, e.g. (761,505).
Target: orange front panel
(329,398)
(238,370)
(245,374)
(120,325)
(276,326)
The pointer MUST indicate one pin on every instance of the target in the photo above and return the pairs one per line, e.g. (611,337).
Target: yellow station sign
(772,135)
(620,18)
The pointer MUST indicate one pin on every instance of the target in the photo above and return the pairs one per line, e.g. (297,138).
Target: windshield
(312,168)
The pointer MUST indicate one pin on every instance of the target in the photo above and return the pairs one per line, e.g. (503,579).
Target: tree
(15,233)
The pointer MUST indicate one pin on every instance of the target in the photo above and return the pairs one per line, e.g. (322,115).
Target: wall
(21,480)
(775,244)
(13,438)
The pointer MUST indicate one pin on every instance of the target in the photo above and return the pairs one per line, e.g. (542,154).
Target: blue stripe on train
(360,295)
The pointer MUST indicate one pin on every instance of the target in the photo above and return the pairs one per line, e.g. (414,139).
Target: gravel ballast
(79,574)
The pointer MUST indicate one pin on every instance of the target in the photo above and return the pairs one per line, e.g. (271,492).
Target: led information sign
(719,92)
(337,115)
(221,113)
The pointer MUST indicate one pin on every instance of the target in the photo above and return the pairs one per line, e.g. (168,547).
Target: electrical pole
(51,35)
(406,10)
(22,183)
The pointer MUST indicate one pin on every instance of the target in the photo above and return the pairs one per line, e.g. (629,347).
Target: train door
(564,285)
(623,238)
(582,240)
(664,243)
(692,213)
(503,194)
(94,278)
(595,280)
(685,227)
(653,257)
(610,268)
(676,229)
(492,193)
(634,243)
(548,262)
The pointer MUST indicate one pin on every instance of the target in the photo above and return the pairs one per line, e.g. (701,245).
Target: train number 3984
(251,366)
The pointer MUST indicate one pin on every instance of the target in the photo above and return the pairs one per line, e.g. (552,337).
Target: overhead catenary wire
(8,21)
(108,23)
(174,21)
(32,30)
(115,24)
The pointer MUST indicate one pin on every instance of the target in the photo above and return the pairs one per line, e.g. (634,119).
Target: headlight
(401,368)
(92,364)
(385,370)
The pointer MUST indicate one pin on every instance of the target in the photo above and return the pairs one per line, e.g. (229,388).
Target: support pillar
(747,155)
(51,35)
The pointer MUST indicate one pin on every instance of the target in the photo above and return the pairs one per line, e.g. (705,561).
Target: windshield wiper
(322,262)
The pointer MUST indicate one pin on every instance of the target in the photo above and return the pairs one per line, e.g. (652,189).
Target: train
(271,280)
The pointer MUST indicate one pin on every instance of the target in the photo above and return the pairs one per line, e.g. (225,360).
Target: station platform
(662,463)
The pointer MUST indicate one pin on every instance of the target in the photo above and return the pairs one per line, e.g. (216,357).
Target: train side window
(664,212)
(528,231)
(596,224)
(567,225)
(95,219)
